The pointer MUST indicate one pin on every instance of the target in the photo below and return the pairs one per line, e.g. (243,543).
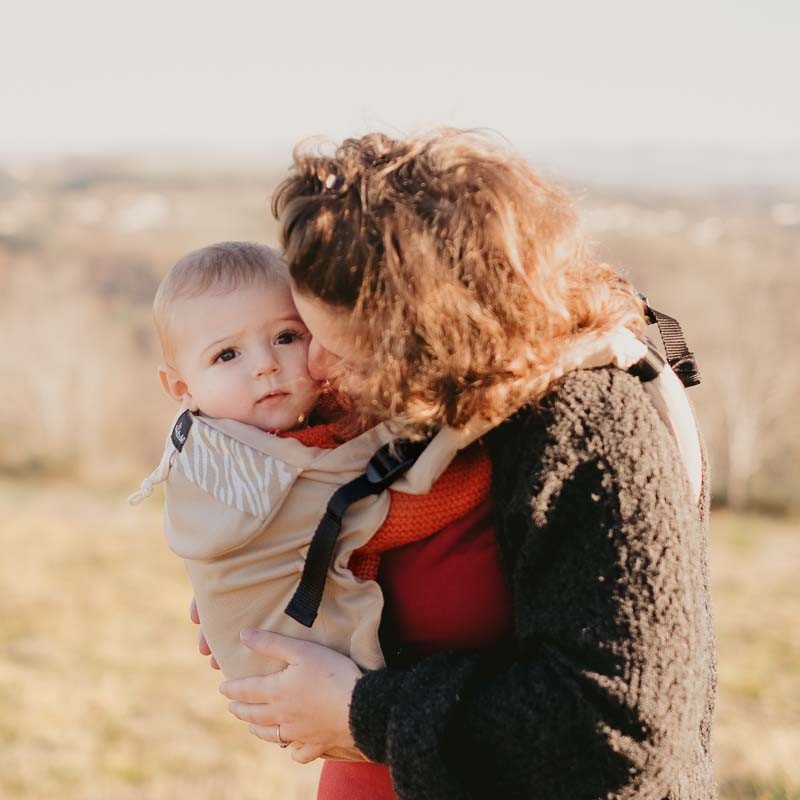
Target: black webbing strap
(679,356)
(383,469)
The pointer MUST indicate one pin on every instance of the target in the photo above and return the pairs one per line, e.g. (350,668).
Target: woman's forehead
(332,326)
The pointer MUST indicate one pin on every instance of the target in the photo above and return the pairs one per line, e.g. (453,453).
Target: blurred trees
(728,272)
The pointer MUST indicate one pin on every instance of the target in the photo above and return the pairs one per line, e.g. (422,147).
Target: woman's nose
(320,361)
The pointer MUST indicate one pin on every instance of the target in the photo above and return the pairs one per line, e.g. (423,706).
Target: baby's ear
(172,383)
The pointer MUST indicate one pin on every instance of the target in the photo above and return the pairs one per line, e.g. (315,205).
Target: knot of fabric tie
(145,490)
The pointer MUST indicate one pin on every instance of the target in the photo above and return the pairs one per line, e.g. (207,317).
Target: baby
(242,503)
(247,481)
(233,343)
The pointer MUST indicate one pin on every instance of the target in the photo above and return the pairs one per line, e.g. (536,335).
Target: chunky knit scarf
(463,485)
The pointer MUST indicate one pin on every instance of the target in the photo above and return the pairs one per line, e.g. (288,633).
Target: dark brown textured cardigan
(607,689)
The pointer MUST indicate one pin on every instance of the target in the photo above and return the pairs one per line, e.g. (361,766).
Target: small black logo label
(181,430)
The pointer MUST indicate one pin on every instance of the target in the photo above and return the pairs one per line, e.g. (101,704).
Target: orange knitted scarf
(463,485)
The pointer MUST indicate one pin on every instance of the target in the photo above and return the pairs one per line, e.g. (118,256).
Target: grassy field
(102,694)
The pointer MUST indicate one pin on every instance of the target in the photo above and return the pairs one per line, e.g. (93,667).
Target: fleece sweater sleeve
(604,690)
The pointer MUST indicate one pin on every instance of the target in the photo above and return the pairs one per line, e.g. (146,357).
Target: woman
(449,284)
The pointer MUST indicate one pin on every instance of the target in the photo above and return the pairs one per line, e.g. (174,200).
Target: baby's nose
(266,366)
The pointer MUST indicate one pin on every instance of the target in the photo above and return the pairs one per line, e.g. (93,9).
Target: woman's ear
(172,383)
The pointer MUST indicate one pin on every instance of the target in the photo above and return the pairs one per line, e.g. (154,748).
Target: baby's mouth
(277,394)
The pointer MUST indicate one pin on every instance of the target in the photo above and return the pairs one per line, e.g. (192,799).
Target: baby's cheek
(221,398)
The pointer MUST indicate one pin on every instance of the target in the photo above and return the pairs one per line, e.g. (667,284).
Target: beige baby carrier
(241,509)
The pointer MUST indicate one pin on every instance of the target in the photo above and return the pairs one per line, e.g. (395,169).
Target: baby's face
(243,356)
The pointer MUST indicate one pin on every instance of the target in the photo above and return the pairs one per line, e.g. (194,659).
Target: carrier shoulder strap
(383,469)
(668,396)
(679,357)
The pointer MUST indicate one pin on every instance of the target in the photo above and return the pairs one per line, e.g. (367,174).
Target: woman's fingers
(256,689)
(305,753)
(193,614)
(312,693)
(259,714)
(301,753)
(274,645)
(269,733)
(202,644)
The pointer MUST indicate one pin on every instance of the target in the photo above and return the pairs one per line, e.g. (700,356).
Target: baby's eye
(225,355)
(288,337)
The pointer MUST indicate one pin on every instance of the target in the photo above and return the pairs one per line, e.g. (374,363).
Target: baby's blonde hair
(219,268)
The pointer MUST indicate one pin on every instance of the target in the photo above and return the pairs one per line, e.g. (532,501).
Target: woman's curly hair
(468,268)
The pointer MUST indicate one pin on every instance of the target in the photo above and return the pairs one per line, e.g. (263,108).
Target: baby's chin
(279,422)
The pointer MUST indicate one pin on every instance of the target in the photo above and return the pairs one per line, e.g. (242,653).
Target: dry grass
(103,696)
(757,604)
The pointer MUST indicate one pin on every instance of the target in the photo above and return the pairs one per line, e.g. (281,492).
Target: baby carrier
(259,522)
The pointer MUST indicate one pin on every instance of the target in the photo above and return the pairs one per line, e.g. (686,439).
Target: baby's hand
(202,644)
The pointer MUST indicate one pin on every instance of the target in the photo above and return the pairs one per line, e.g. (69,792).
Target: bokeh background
(131,135)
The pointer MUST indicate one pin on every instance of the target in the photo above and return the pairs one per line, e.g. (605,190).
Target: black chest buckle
(388,464)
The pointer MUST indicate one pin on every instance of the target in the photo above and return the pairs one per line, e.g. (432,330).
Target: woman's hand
(309,699)
(202,644)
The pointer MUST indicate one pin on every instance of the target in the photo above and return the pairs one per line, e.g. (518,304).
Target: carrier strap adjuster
(392,461)
(383,469)
(679,356)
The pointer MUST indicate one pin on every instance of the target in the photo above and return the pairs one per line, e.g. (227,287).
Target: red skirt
(343,780)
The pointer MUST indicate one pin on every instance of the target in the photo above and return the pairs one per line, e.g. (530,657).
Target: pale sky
(98,77)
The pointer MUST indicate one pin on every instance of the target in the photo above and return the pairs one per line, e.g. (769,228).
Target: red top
(445,591)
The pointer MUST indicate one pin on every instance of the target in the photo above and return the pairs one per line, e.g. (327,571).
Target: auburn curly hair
(467,266)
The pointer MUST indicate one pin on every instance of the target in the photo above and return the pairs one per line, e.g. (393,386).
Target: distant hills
(656,168)
(672,168)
